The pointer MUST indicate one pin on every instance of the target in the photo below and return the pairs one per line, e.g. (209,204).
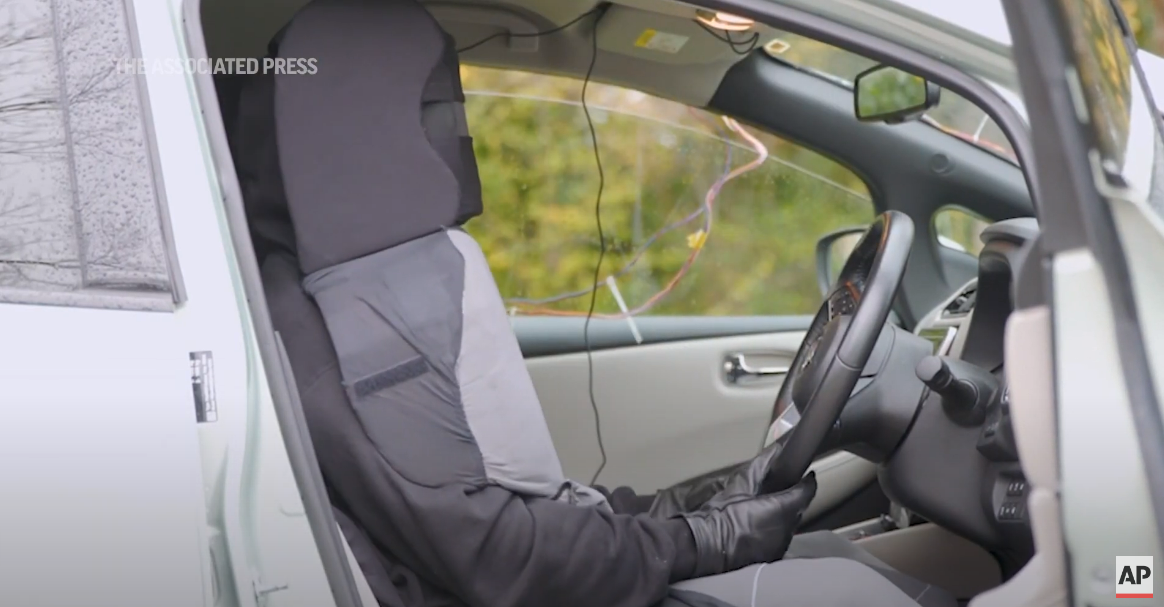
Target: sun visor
(373,146)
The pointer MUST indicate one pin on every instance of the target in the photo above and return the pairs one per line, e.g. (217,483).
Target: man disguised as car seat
(425,422)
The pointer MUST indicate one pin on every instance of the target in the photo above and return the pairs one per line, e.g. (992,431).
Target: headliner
(241,28)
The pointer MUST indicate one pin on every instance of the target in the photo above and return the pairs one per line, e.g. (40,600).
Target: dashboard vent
(963,303)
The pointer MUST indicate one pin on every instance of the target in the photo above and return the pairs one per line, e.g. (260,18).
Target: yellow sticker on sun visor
(661,41)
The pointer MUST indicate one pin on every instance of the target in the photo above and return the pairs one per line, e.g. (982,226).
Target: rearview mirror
(832,250)
(887,94)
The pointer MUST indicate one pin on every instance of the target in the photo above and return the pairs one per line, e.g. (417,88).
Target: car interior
(917,459)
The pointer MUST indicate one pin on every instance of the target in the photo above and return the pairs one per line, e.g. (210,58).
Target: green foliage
(1144,18)
(1105,71)
(659,158)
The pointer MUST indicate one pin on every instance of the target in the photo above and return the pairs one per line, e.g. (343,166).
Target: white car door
(99,453)
(1100,150)
(139,459)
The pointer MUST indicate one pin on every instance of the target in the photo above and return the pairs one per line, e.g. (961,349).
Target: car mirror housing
(890,95)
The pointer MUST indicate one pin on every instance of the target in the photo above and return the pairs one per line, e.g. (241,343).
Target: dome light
(724,21)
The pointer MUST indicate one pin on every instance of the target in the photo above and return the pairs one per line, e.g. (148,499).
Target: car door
(686,384)
(1100,158)
(139,459)
(99,458)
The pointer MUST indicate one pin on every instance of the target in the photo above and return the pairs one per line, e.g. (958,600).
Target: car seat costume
(425,422)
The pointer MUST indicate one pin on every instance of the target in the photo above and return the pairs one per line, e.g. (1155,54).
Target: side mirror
(832,250)
(887,94)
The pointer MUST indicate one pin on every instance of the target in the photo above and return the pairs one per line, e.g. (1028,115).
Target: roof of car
(971,35)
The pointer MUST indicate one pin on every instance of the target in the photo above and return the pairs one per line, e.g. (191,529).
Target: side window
(700,216)
(959,229)
(80,218)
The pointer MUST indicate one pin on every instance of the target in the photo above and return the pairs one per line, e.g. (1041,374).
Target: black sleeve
(492,548)
(624,500)
(488,547)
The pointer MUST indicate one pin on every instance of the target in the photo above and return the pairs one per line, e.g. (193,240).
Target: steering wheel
(838,344)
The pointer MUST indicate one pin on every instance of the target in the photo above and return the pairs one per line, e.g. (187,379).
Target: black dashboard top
(998,265)
(1017,231)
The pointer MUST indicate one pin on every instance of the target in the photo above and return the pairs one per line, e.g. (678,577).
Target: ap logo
(1135,577)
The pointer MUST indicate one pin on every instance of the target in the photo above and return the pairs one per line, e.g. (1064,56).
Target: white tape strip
(630,320)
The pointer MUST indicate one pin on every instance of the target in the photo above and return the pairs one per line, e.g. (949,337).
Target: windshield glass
(954,114)
(1105,73)
(1125,134)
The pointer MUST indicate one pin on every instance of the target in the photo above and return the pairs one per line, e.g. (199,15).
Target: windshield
(954,114)
(1125,135)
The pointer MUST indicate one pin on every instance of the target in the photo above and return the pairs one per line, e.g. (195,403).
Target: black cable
(735,45)
(597,11)
(554,30)
(601,245)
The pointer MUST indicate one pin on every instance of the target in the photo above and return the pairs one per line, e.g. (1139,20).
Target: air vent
(963,303)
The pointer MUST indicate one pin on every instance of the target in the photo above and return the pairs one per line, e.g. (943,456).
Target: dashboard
(971,323)
(946,323)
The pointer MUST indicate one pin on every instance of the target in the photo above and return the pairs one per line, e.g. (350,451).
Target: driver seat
(356,181)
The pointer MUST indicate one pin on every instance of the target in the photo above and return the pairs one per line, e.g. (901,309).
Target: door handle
(736,368)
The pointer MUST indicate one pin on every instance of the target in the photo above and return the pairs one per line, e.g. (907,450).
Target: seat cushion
(818,582)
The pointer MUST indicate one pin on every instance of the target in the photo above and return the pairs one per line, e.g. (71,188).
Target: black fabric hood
(369,151)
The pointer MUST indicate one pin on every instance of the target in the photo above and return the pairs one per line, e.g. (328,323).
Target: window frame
(167,300)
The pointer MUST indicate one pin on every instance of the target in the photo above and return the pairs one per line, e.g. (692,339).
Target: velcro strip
(409,369)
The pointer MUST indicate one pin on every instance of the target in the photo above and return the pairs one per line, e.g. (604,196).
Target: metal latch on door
(737,370)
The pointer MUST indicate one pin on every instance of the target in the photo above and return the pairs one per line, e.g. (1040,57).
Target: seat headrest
(372,148)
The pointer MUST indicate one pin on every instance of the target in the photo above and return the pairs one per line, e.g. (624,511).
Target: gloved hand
(734,531)
(689,496)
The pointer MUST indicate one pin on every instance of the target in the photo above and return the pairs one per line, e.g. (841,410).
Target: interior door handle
(736,368)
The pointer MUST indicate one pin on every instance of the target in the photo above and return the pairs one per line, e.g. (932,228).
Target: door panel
(667,411)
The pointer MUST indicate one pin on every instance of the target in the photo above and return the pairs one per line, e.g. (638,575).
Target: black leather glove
(689,496)
(734,531)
